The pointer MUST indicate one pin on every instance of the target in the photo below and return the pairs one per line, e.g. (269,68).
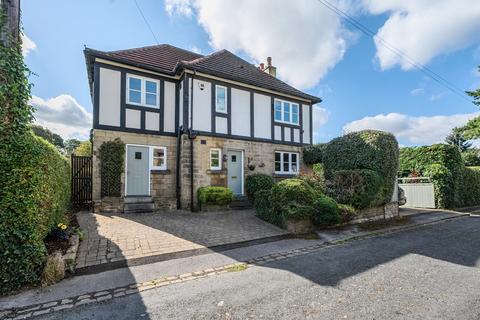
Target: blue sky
(361,84)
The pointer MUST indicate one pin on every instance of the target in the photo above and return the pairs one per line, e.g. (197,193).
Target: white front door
(138,175)
(235,171)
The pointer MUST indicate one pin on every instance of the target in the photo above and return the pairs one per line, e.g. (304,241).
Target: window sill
(285,175)
(160,171)
(216,171)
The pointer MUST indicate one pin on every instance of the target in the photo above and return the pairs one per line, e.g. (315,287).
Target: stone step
(240,204)
(139,207)
(133,199)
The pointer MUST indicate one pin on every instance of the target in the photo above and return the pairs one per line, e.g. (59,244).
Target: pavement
(119,240)
(425,272)
(137,280)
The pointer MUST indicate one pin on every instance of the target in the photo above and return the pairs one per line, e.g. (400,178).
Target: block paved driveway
(129,238)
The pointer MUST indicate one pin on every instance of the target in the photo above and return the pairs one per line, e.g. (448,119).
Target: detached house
(189,120)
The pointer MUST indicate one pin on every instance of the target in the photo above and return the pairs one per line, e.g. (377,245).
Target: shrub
(111,155)
(346,212)
(263,207)
(316,179)
(214,195)
(470,189)
(313,154)
(326,211)
(34,196)
(257,182)
(471,157)
(369,149)
(294,191)
(443,164)
(358,188)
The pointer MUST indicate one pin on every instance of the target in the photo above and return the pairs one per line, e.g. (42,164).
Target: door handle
(234,177)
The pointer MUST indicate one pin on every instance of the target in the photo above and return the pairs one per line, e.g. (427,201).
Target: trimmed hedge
(111,154)
(455,184)
(313,154)
(358,188)
(326,211)
(257,182)
(34,196)
(214,195)
(368,149)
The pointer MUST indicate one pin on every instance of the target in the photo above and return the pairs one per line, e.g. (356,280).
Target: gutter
(191,136)
(178,186)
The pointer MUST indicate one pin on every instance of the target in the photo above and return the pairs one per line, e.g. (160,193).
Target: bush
(471,187)
(326,211)
(34,196)
(293,190)
(443,164)
(313,154)
(111,154)
(358,188)
(316,179)
(471,157)
(257,182)
(214,195)
(369,149)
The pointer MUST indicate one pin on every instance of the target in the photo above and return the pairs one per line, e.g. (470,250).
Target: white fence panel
(419,194)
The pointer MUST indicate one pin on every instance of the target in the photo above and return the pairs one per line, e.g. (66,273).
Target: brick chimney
(270,69)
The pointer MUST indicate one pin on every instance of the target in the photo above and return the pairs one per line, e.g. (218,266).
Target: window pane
(277,166)
(158,153)
(278,111)
(134,96)
(151,86)
(135,84)
(277,156)
(295,113)
(294,162)
(214,163)
(151,99)
(221,105)
(158,162)
(286,112)
(286,162)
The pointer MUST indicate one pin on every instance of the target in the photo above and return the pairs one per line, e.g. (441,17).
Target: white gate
(418,191)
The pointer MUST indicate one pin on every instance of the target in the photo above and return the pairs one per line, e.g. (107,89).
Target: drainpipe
(178,186)
(191,136)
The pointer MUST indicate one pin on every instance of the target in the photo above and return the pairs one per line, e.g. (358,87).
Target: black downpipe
(177,178)
(191,136)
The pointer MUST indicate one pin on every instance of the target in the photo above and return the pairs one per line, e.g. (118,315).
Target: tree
(471,157)
(48,135)
(456,138)
(475,94)
(71,145)
(84,149)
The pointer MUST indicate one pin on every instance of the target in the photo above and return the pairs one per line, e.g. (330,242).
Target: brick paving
(122,237)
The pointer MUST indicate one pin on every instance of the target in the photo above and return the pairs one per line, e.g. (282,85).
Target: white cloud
(320,117)
(63,115)
(196,49)
(27,45)
(438,96)
(417,91)
(411,130)
(303,37)
(424,29)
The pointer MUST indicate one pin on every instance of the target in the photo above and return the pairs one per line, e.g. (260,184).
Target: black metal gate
(81,181)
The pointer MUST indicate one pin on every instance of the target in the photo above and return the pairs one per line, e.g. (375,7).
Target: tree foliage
(48,135)
(456,138)
(71,145)
(475,94)
(84,149)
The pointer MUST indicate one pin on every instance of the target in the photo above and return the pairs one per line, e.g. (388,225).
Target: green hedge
(111,154)
(314,153)
(358,188)
(34,196)
(369,149)
(257,182)
(455,184)
(326,211)
(214,195)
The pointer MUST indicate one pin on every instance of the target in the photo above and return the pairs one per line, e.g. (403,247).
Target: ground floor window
(215,159)
(286,162)
(159,158)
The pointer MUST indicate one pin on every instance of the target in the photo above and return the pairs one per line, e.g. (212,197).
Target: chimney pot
(269,61)
(262,66)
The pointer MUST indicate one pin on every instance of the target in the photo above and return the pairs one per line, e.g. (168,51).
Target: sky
(366,81)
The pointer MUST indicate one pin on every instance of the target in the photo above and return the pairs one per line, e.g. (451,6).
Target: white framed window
(221,99)
(158,158)
(143,91)
(286,162)
(286,112)
(215,159)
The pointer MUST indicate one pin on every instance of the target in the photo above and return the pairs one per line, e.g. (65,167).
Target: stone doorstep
(105,295)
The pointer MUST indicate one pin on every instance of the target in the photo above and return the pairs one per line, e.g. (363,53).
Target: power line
(427,71)
(146,22)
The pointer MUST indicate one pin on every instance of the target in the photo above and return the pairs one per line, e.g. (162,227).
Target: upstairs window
(286,112)
(221,99)
(142,91)
(215,159)
(286,162)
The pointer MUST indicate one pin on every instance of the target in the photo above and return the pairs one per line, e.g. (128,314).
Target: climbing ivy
(111,155)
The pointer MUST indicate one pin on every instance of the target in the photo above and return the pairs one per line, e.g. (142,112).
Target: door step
(240,203)
(138,205)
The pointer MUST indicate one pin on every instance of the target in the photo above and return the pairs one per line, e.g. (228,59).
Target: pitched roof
(168,59)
